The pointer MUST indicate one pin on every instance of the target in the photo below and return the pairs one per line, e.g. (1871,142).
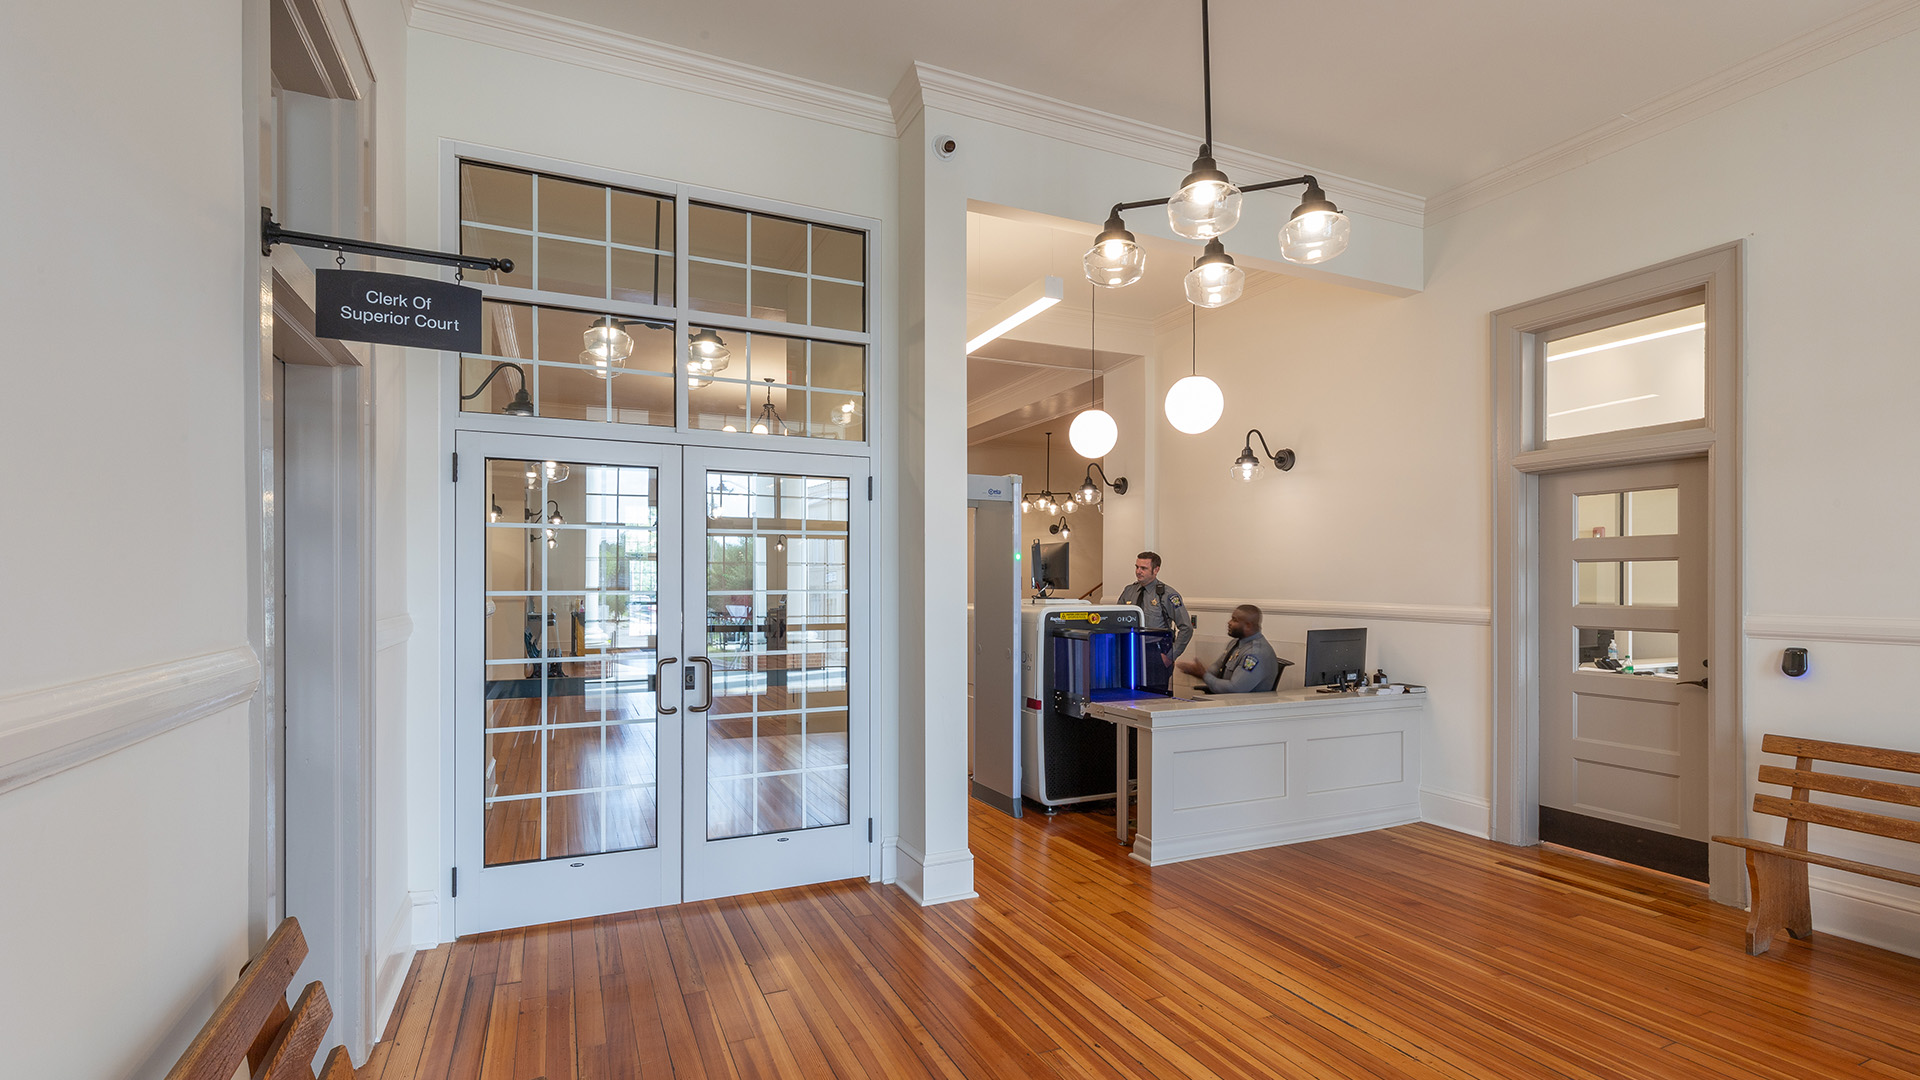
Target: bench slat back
(235,1026)
(1877,790)
(1843,753)
(294,1049)
(1856,820)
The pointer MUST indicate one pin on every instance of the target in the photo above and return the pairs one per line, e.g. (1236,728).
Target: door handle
(708,664)
(1700,682)
(659,681)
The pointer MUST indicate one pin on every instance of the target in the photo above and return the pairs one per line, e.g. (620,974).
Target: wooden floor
(1409,952)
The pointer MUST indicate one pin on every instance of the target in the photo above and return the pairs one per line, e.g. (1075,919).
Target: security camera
(945,146)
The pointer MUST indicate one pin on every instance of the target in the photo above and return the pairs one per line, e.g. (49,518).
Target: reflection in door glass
(777,632)
(1636,583)
(1630,652)
(571,637)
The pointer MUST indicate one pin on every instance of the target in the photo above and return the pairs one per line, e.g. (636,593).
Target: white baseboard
(426,927)
(397,947)
(934,879)
(1468,814)
(889,860)
(1859,911)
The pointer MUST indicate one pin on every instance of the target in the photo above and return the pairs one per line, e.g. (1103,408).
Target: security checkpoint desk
(1236,772)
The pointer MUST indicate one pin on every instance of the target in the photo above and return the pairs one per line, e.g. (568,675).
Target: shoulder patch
(1250,662)
(1176,599)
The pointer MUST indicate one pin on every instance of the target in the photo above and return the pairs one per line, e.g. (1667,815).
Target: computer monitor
(1049,566)
(1335,656)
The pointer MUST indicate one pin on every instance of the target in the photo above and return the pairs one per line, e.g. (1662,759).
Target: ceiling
(1419,97)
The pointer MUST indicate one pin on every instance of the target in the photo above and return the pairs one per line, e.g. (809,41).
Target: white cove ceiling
(1422,97)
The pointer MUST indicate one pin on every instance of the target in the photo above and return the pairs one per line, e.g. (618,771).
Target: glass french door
(662,691)
(775,737)
(568,609)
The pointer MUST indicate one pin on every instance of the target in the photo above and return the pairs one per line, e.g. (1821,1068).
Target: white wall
(532,105)
(1387,403)
(124,890)
(1024,454)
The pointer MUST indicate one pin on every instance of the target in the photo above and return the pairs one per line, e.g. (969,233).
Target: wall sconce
(1061,529)
(494,512)
(1247,467)
(521,405)
(1090,492)
(553,518)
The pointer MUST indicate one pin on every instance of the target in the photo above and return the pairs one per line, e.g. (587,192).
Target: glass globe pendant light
(1093,432)
(608,346)
(1214,280)
(1316,232)
(1207,204)
(1115,259)
(707,353)
(1194,403)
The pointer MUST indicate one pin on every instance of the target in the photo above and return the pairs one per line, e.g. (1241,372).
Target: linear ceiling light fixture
(1017,309)
(1206,207)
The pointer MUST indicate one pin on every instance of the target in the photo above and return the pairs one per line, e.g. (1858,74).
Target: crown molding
(490,22)
(925,85)
(1828,44)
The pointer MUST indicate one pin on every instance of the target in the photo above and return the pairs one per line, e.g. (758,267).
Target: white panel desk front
(1244,771)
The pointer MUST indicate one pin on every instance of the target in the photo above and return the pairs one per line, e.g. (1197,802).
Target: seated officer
(1248,666)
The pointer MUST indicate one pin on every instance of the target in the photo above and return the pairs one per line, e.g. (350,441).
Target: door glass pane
(1639,583)
(572,633)
(1596,515)
(1640,373)
(1630,652)
(777,596)
(1654,512)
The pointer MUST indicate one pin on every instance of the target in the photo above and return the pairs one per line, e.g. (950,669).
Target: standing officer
(1160,606)
(1248,666)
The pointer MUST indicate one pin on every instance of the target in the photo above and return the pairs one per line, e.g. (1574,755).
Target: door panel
(1623,563)
(775,729)
(563,810)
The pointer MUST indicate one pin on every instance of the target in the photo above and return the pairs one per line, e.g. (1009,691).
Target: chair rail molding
(1852,629)
(1463,615)
(46,731)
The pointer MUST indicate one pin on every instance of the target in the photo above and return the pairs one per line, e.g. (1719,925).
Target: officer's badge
(1249,662)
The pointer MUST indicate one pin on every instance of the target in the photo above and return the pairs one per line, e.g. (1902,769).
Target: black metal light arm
(498,366)
(1282,459)
(1309,181)
(1119,486)
(271,233)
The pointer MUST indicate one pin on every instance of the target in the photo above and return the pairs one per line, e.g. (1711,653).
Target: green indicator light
(1016,556)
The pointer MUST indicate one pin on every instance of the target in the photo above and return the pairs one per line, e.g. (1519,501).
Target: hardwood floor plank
(1404,954)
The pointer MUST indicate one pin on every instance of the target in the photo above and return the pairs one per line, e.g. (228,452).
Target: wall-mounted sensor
(1793,662)
(945,146)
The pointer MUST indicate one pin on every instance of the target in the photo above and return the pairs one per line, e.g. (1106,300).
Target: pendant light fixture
(1194,403)
(1093,432)
(1048,501)
(1206,207)
(1214,280)
(706,353)
(608,345)
(769,420)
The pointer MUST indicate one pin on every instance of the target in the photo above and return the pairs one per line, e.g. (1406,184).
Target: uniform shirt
(1161,607)
(1247,667)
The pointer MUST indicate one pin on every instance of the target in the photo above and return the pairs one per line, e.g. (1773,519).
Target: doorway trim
(1520,458)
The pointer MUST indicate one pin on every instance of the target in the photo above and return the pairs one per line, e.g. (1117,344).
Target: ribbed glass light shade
(1115,262)
(607,342)
(1215,284)
(1093,433)
(1204,209)
(1247,469)
(1194,404)
(1315,236)
(707,350)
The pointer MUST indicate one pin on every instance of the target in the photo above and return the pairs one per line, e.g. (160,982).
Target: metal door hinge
(456,468)
(869,830)
(456,881)
(869,489)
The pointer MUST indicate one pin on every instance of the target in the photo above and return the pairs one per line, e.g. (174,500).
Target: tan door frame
(1521,457)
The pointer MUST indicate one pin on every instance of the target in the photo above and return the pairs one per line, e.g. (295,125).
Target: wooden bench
(254,1022)
(1778,872)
